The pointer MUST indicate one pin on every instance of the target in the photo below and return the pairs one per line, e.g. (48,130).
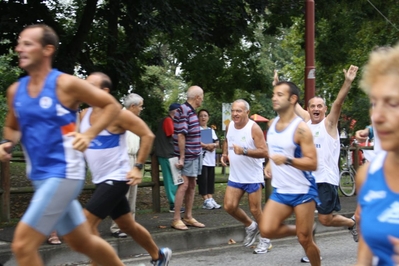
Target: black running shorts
(109,198)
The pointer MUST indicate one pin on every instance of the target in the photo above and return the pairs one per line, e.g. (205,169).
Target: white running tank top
(287,179)
(328,150)
(107,154)
(243,169)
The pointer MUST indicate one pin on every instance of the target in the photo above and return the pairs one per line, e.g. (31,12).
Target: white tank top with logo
(287,179)
(328,150)
(243,169)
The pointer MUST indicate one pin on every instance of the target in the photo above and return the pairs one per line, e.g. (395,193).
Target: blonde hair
(382,62)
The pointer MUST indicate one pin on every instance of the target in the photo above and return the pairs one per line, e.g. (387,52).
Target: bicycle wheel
(347,183)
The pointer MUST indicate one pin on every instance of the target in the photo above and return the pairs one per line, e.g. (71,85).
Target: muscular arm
(333,117)
(259,141)
(11,129)
(74,91)
(302,113)
(364,254)
(128,121)
(303,136)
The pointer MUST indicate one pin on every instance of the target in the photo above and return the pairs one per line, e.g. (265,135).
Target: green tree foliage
(8,75)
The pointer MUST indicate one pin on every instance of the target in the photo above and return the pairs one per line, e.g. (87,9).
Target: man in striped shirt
(187,147)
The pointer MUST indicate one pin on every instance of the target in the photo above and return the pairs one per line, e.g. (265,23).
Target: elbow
(313,166)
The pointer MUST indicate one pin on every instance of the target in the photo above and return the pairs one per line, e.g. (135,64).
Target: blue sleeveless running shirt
(379,212)
(43,123)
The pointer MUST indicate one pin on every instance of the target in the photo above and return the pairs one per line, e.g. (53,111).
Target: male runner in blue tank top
(292,155)
(108,161)
(377,183)
(42,110)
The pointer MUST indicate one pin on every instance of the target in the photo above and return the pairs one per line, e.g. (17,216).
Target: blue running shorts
(293,200)
(54,206)
(249,188)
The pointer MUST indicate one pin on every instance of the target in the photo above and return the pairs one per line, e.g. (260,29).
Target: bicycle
(347,184)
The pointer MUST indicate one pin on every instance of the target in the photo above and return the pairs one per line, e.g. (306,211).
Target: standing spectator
(187,146)
(135,104)
(377,182)
(112,174)
(164,151)
(245,148)
(42,111)
(292,154)
(206,181)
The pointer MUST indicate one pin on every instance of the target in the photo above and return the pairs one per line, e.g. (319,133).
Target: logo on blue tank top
(45,102)
(391,214)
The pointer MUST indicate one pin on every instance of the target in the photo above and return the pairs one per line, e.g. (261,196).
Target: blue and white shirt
(44,123)
(287,179)
(107,155)
(379,212)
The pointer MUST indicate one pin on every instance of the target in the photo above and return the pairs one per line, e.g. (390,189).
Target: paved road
(337,248)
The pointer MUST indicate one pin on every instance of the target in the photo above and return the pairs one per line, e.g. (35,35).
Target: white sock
(253,226)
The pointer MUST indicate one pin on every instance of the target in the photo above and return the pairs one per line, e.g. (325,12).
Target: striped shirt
(186,122)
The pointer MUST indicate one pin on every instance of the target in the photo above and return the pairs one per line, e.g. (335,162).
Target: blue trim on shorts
(249,188)
(294,200)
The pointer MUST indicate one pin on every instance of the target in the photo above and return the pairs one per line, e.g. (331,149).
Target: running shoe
(250,236)
(263,246)
(208,204)
(215,205)
(353,230)
(306,259)
(165,254)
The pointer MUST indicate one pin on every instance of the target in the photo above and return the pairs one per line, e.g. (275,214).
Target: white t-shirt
(210,156)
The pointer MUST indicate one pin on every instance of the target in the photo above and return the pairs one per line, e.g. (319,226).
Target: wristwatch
(288,161)
(245,151)
(139,166)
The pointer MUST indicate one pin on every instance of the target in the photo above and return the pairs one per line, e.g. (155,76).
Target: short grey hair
(132,99)
(244,102)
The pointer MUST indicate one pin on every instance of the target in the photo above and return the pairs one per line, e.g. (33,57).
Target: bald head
(194,91)
(195,96)
(100,80)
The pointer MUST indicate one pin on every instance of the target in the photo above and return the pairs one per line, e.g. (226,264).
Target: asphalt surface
(220,229)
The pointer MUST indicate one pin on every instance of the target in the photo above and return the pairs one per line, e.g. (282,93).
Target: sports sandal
(53,240)
(193,222)
(179,225)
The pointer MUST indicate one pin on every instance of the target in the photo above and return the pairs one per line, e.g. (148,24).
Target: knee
(229,208)
(304,239)
(256,213)
(79,246)
(183,187)
(325,220)
(265,230)
(20,249)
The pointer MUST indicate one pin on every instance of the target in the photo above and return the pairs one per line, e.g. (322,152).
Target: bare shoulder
(303,129)
(12,88)
(68,82)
